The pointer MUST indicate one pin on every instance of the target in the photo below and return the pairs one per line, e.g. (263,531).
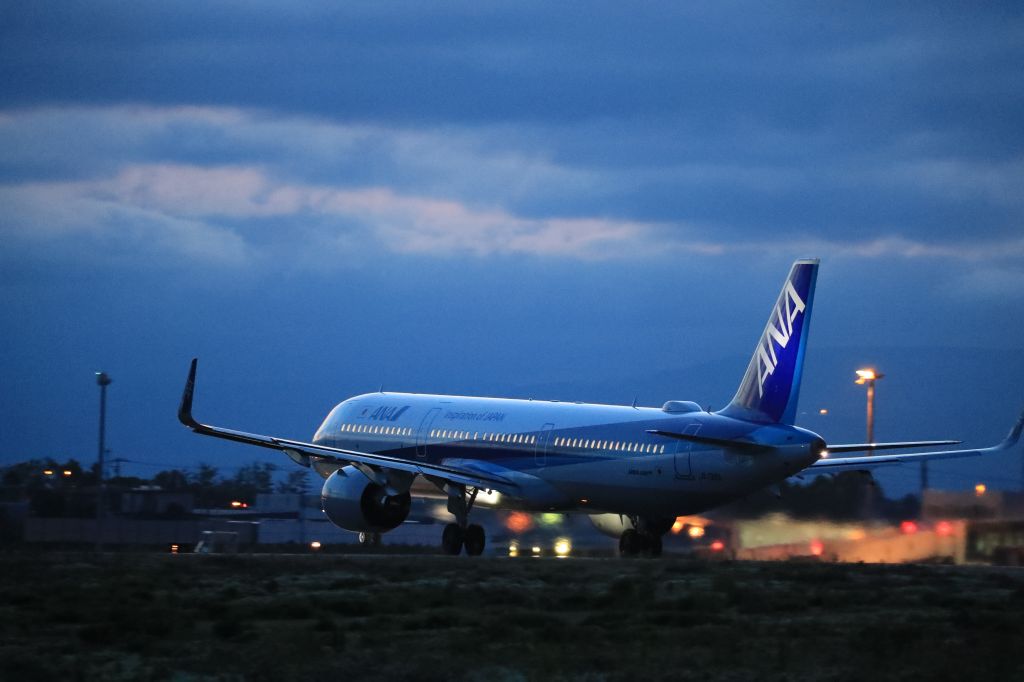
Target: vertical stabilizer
(771,385)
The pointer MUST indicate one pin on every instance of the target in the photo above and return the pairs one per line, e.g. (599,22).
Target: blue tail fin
(769,390)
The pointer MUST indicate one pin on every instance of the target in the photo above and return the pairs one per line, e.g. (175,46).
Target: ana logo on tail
(788,308)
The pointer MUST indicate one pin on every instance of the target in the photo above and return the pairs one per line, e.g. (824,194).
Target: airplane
(633,469)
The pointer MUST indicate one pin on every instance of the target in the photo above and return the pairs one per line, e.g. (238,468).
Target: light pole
(869,377)
(103,381)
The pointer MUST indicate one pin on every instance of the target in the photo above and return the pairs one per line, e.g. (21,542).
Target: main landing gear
(462,534)
(643,539)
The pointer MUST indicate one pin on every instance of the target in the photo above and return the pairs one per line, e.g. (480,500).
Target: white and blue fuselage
(574,456)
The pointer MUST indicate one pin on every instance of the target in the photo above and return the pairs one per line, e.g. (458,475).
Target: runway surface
(135,616)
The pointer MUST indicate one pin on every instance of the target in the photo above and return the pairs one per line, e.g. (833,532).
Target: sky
(593,201)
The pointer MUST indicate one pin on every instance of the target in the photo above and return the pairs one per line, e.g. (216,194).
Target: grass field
(124,616)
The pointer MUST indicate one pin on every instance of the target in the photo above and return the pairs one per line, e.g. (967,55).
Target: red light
(817,547)
(519,522)
(908,527)
(944,528)
(717,546)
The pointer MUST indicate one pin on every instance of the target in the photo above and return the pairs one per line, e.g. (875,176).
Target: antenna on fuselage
(635,398)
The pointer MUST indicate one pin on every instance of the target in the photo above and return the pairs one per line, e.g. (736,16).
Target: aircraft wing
(301,452)
(866,462)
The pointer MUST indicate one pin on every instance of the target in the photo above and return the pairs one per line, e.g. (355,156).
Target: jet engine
(353,502)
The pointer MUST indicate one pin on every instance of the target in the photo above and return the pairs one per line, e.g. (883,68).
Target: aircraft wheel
(369,539)
(629,543)
(475,540)
(451,539)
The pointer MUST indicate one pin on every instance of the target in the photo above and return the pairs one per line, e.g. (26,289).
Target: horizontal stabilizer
(867,462)
(871,447)
(747,445)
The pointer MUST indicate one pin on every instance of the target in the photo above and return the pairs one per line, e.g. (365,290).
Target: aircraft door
(684,469)
(423,435)
(540,452)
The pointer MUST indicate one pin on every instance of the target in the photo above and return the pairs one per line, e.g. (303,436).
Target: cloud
(69,221)
(180,206)
(246,186)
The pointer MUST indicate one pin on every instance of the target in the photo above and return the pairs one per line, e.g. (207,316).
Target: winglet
(185,409)
(1014,435)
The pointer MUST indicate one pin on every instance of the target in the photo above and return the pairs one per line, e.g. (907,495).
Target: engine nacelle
(351,501)
(611,524)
